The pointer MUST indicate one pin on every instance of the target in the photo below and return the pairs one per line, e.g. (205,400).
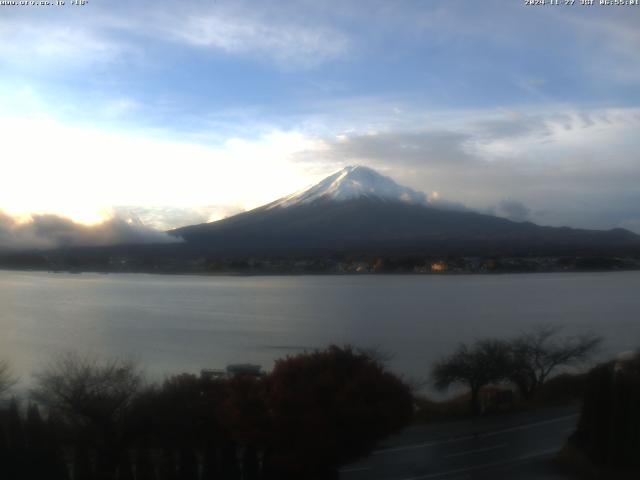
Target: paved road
(508,446)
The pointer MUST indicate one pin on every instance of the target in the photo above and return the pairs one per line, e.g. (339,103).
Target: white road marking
(484,465)
(477,450)
(470,437)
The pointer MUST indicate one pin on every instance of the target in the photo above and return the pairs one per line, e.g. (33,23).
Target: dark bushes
(330,407)
(609,427)
(314,412)
(29,449)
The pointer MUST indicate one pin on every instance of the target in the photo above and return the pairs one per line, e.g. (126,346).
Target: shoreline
(313,274)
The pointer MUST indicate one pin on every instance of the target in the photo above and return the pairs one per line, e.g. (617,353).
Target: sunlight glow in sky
(79,171)
(184,112)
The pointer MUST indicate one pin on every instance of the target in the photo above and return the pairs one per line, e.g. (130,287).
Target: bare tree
(86,389)
(536,354)
(7,380)
(94,396)
(483,363)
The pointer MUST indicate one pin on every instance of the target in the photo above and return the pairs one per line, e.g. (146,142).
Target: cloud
(51,231)
(513,210)
(53,167)
(602,43)
(248,33)
(116,31)
(612,38)
(408,148)
(169,217)
(40,44)
(565,166)
(509,125)
(568,166)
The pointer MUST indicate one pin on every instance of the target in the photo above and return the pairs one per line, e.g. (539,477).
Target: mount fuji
(357,211)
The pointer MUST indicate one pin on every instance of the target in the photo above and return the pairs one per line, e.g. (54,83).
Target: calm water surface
(185,323)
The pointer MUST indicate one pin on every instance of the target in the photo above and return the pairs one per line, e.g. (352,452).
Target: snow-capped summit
(351,183)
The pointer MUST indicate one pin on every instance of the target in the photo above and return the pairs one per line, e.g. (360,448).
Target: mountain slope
(358,211)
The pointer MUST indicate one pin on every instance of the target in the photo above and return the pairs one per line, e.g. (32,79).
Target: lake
(185,323)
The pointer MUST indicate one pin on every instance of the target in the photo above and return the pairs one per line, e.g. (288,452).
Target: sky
(157,114)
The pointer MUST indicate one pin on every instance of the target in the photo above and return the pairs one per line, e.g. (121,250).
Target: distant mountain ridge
(357,211)
(354,221)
